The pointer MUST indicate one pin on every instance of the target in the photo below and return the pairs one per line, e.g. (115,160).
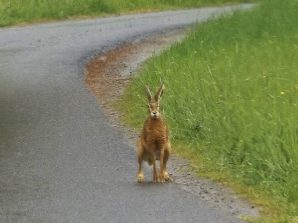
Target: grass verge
(232,103)
(20,11)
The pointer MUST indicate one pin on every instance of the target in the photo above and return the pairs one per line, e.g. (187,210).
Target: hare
(153,143)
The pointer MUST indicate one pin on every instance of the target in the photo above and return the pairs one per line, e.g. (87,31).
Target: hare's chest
(157,141)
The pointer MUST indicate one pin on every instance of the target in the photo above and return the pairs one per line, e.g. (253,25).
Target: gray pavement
(60,160)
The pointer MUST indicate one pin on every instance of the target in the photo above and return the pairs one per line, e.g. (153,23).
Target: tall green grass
(24,11)
(232,96)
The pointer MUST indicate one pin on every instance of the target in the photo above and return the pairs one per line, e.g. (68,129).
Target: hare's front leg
(155,176)
(162,166)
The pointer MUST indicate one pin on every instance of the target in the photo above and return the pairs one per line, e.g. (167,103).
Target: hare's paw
(140,178)
(161,178)
(167,176)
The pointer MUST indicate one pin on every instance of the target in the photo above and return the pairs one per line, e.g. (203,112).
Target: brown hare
(153,143)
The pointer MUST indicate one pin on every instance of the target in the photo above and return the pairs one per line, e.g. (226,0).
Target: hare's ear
(160,91)
(149,94)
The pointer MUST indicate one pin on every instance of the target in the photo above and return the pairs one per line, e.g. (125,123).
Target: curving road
(60,160)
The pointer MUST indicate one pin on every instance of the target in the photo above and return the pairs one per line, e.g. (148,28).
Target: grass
(25,11)
(232,102)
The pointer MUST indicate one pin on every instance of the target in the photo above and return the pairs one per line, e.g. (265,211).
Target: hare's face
(154,109)
(153,105)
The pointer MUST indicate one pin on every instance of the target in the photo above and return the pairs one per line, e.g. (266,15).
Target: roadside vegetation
(231,101)
(25,11)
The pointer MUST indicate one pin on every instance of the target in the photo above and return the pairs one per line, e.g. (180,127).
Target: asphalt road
(60,160)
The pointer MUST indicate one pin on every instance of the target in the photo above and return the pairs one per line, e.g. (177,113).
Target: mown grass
(24,11)
(231,101)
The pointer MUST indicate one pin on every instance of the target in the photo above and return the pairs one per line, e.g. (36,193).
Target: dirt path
(108,74)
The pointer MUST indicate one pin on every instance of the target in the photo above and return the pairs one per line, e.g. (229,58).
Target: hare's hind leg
(140,177)
(140,153)
(165,160)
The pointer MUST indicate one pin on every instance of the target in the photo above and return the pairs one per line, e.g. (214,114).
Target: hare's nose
(154,113)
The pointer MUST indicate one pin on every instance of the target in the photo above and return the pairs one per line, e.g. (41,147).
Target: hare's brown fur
(153,143)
